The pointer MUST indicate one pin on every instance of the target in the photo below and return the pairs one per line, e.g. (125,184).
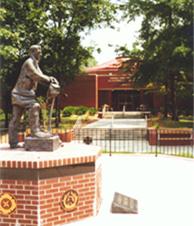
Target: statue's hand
(54,88)
(53,80)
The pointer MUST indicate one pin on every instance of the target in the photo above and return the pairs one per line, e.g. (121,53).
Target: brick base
(41,187)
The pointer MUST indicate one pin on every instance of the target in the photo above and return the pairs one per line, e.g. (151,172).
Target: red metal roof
(108,67)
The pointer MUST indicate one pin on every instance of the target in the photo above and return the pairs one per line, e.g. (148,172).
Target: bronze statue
(24,97)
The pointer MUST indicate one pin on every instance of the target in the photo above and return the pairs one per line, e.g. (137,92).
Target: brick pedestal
(49,188)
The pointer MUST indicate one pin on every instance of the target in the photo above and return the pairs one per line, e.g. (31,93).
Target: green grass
(183,155)
(168,123)
(183,122)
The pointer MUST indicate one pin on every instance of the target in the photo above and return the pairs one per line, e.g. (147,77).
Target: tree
(57,25)
(166,40)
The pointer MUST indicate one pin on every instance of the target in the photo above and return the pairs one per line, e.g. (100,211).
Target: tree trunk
(6,119)
(166,101)
(173,97)
(58,113)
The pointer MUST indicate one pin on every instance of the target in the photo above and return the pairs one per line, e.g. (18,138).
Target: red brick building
(109,84)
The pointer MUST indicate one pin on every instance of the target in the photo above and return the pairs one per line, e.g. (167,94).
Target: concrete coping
(69,154)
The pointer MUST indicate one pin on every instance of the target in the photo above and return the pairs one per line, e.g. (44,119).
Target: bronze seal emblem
(7,204)
(70,200)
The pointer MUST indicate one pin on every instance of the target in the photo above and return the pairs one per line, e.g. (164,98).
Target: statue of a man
(24,97)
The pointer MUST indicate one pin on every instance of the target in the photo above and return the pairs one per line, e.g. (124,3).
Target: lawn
(183,122)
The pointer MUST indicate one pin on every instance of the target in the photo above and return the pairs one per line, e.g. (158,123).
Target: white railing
(78,123)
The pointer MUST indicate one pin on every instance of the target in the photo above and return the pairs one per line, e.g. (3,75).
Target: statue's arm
(35,74)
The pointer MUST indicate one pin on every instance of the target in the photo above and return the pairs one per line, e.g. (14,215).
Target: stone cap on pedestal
(69,154)
(42,144)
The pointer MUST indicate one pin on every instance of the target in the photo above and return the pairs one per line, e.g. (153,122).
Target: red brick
(77,186)
(30,197)
(92,184)
(24,211)
(9,182)
(9,220)
(24,164)
(47,205)
(30,165)
(55,162)
(35,165)
(67,215)
(83,190)
(4,224)
(20,206)
(19,187)
(60,222)
(50,163)
(47,215)
(20,197)
(81,212)
(89,175)
(19,216)
(9,164)
(34,192)
(35,222)
(61,184)
(23,192)
(46,186)
(4,186)
(35,202)
(88,202)
(52,181)
(83,180)
(53,210)
(13,164)
(32,216)
(12,191)
(55,218)
(25,221)
(48,224)
(30,207)
(53,190)
(78,177)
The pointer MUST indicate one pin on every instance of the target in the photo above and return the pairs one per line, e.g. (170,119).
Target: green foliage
(78,110)
(57,26)
(92,111)
(81,110)
(165,44)
(184,122)
(69,110)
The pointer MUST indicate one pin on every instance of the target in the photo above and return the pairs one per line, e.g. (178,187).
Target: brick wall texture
(39,202)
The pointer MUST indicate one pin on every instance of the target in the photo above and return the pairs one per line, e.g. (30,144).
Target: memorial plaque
(124,204)
(45,144)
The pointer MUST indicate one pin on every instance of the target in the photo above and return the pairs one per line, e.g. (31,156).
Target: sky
(108,39)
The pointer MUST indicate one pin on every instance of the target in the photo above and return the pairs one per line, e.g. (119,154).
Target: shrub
(92,111)
(81,110)
(69,110)
(78,110)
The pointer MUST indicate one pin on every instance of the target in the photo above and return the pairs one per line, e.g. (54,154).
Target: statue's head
(35,50)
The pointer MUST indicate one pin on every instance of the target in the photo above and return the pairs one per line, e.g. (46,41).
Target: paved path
(118,123)
(163,186)
(141,146)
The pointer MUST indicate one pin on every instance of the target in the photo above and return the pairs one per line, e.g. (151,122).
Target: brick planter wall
(66,136)
(39,182)
(152,136)
(170,137)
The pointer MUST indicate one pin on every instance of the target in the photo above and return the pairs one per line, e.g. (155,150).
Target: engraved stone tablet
(44,144)
(123,204)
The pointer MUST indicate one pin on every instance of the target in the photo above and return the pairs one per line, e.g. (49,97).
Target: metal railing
(114,140)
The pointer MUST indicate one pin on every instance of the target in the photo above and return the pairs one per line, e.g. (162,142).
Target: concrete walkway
(163,186)
(118,123)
